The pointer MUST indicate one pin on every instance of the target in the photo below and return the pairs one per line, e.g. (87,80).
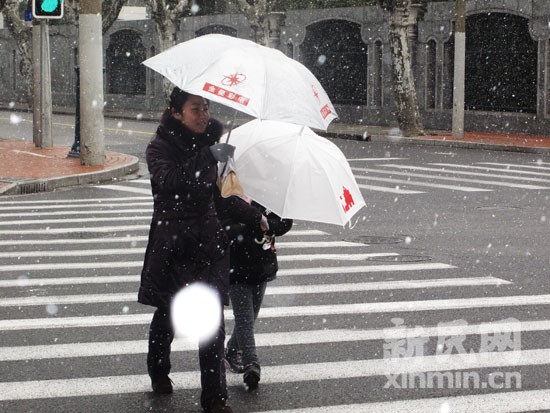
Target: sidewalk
(26,169)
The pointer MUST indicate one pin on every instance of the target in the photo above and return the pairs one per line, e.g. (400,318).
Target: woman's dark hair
(178,98)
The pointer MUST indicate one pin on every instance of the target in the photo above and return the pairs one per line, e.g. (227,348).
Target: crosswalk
(405,178)
(339,331)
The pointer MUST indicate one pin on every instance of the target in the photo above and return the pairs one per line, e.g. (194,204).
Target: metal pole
(75,149)
(459,69)
(45,87)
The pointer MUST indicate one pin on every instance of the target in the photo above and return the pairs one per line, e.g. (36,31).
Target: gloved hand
(222,151)
(264,224)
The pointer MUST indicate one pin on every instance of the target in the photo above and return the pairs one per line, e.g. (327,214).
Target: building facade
(507,77)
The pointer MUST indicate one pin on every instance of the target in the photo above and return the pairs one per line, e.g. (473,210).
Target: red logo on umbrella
(315,93)
(347,198)
(234,79)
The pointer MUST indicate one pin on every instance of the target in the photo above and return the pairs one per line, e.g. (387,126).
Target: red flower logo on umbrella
(234,79)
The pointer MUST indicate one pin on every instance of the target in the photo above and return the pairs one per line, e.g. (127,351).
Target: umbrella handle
(231,124)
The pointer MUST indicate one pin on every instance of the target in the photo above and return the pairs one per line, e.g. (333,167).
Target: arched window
(125,73)
(431,72)
(334,51)
(501,64)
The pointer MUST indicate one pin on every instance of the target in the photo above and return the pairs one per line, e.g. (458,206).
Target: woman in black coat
(186,242)
(253,265)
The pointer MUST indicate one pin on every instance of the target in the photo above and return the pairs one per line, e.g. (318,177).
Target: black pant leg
(161,335)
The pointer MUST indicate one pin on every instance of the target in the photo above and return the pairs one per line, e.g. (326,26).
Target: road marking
(485,168)
(391,190)
(292,311)
(115,229)
(426,184)
(83,230)
(451,178)
(281,272)
(545,168)
(286,338)
(503,402)
(450,171)
(134,239)
(141,251)
(79,213)
(93,386)
(282,290)
(21,202)
(123,188)
(61,241)
(76,220)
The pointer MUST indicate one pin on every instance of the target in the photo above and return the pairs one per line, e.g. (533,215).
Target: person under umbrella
(186,241)
(253,261)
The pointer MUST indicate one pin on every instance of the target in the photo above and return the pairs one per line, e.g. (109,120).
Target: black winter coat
(252,261)
(186,241)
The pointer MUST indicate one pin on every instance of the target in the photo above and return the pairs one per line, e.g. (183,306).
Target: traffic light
(47,9)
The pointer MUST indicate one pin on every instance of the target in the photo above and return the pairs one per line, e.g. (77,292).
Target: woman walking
(186,242)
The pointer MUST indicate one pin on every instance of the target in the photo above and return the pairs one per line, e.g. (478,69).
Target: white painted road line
(282,272)
(501,402)
(286,338)
(486,168)
(79,212)
(61,241)
(122,188)
(450,171)
(24,203)
(295,373)
(42,221)
(292,311)
(282,290)
(391,190)
(544,168)
(451,178)
(426,184)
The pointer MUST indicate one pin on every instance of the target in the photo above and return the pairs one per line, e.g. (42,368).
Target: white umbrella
(243,75)
(295,173)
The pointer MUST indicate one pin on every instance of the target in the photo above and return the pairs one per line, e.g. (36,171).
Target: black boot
(251,376)
(162,384)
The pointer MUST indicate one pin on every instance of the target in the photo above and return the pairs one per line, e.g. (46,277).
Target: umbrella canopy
(251,78)
(295,173)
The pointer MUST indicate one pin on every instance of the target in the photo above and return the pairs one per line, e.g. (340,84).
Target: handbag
(228,181)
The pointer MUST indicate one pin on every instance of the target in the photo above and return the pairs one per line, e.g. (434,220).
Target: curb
(437,142)
(30,186)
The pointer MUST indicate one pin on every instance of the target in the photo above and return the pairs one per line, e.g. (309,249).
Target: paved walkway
(27,169)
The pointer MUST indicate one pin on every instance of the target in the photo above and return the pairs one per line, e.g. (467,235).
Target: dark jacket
(253,261)
(186,241)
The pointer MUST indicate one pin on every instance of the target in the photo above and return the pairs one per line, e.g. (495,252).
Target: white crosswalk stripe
(89,284)
(500,174)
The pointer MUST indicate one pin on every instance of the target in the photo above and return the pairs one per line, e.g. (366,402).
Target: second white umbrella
(295,173)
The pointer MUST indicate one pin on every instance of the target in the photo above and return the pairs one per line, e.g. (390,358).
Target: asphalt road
(396,313)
